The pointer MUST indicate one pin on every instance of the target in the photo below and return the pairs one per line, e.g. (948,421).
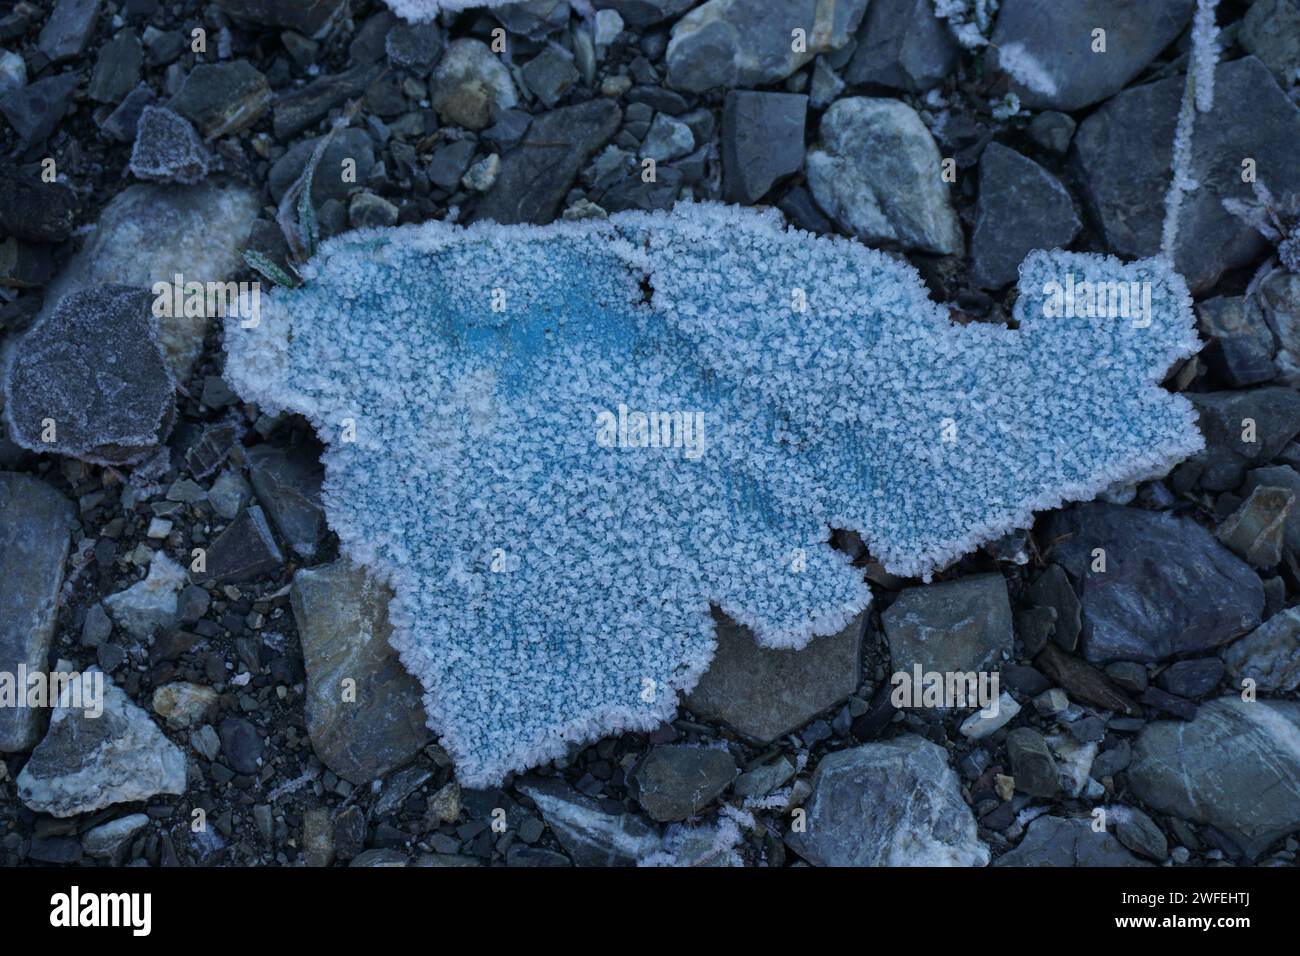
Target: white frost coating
(476,431)
(1205,53)
(420,10)
(1026,68)
(1198,95)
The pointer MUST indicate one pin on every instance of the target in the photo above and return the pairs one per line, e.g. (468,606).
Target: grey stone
(1268,655)
(1022,207)
(1193,679)
(747,43)
(305,106)
(1241,346)
(536,174)
(342,616)
(34,210)
(1035,627)
(1032,763)
(761,780)
(471,86)
(117,71)
(1052,131)
(149,233)
(590,835)
(892,803)
(677,782)
(35,521)
(94,368)
(1061,841)
(639,14)
(1082,681)
(550,75)
(877,172)
(222,98)
(1233,767)
(150,604)
(1047,52)
(36,109)
(414,46)
(167,149)
(328,182)
(826,85)
(312,18)
(105,840)
(97,628)
(764,693)
(449,163)
(1112,760)
(1241,429)
(951,626)
(667,139)
(121,124)
(366,210)
(1139,833)
(1169,589)
(68,30)
(1257,528)
(245,550)
(1123,151)
(241,745)
(288,486)
(534,18)
(86,763)
(1053,590)
(1278,299)
(762,140)
(1271,31)
(902,44)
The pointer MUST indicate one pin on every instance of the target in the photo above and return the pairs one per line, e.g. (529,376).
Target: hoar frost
(553,587)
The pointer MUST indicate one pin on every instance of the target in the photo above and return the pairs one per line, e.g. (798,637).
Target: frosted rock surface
(552,586)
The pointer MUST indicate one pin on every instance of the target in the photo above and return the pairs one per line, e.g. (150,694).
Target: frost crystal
(479,391)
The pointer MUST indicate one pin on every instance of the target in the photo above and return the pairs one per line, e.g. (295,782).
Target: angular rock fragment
(471,86)
(1061,841)
(677,782)
(288,486)
(312,18)
(953,626)
(592,836)
(149,605)
(36,109)
(34,210)
(68,29)
(1257,529)
(167,149)
(1268,655)
(222,98)
(245,550)
(762,140)
(902,44)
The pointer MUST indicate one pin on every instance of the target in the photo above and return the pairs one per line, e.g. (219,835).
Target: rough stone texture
(1241,347)
(1256,530)
(167,149)
(961,625)
(34,110)
(1271,31)
(1169,589)
(878,173)
(313,18)
(183,704)
(1123,151)
(34,210)
(747,43)
(68,30)
(328,182)
(1047,48)
(677,782)
(105,840)
(1053,590)
(222,98)
(304,106)
(288,485)
(1058,841)
(471,85)
(1273,417)
(537,173)
(1022,207)
(1236,766)
(1268,655)
(1192,679)
(764,693)
(1082,681)
(903,45)
(1032,763)
(87,763)
(762,140)
(246,549)
(94,368)
(34,533)
(149,604)
(590,835)
(894,803)
(150,233)
(1278,299)
(342,617)
(639,14)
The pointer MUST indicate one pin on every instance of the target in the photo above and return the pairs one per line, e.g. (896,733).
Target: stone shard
(762,140)
(677,782)
(591,835)
(1268,655)
(952,626)
(1068,841)
(902,44)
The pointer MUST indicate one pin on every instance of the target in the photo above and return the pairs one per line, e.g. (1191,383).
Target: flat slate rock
(1062,841)
(677,781)
(590,834)
(951,626)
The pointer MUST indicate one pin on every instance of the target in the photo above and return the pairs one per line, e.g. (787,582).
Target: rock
(748,43)
(667,139)
(984,723)
(954,626)
(764,693)
(1268,655)
(677,782)
(761,780)
(1241,429)
(1081,681)
(1052,131)
(34,533)
(590,835)
(317,838)
(68,30)
(1271,31)
(328,181)
(117,71)
(903,45)
(471,86)
(536,175)
(550,75)
(1241,345)
(241,744)
(88,762)
(449,162)
(36,109)
(167,149)
(1257,529)
(1139,833)
(121,124)
(892,803)
(1192,679)
(1278,299)
(1061,841)
(1048,53)
(245,550)
(1022,207)
(222,98)
(183,704)
(372,859)
(414,46)
(34,210)
(1075,754)
(305,106)
(762,140)
(1123,153)
(1032,763)
(1168,589)
(482,174)
(877,172)
(1053,590)
(152,233)
(105,840)
(640,14)
(288,486)
(149,605)
(1235,767)
(13,71)
(365,728)
(89,380)
(312,18)
(1167,703)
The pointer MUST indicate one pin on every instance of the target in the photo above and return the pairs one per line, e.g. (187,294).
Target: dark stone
(550,75)
(122,123)
(1157,699)
(1193,679)
(312,18)
(592,836)
(639,14)
(117,71)
(245,550)
(1035,627)
(1023,681)
(167,149)
(308,105)
(952,626)
(1241,345)
(55,850)
(903,45)
(222,98)
(677,782)
(414,46)
(36,109)
(1032,763)
(1082,681)
(1128,676)
(288,486)
(328,181)
(68,30)
(34,210)
(1053,590)
(449,163)
(1230,420)
(242,745)
(1053,131)
(658,99)
(762,140)
(1058,841)
(1168,588)
(802,211)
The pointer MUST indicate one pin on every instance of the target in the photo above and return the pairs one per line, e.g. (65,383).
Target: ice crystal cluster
(480,391)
